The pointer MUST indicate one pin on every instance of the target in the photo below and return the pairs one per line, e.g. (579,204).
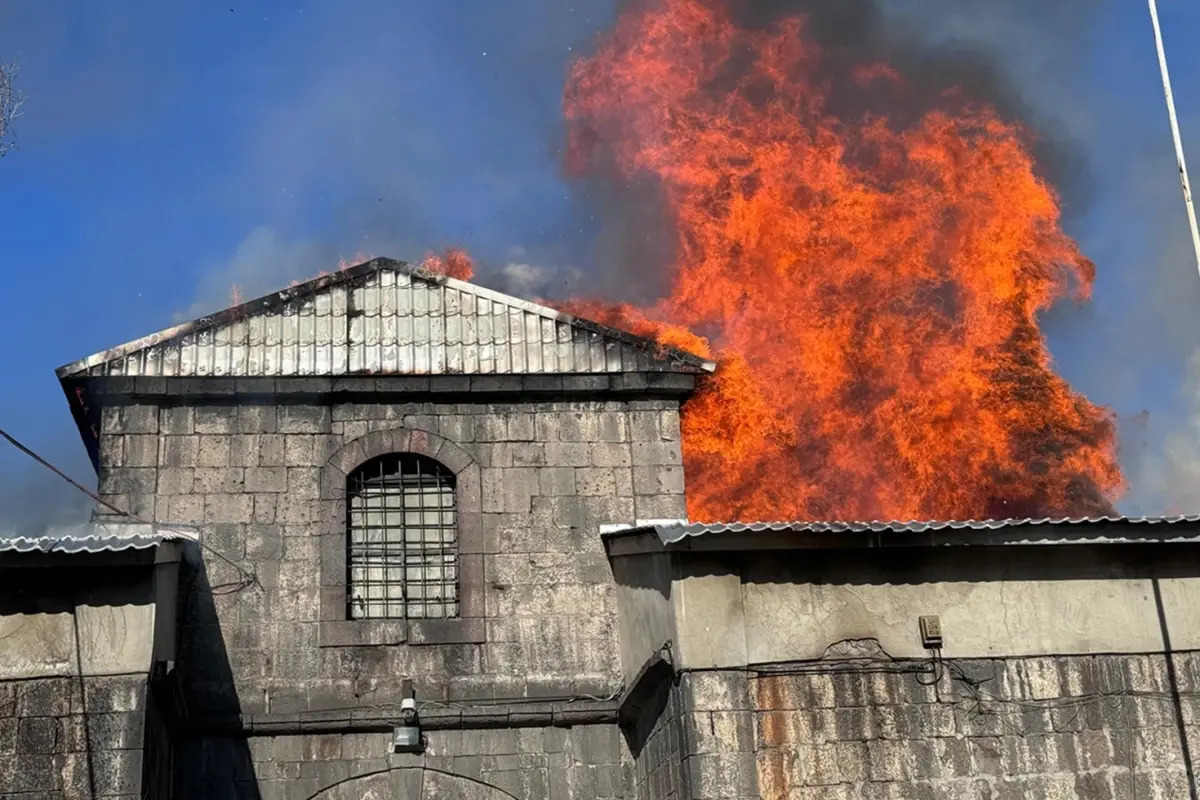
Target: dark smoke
(854,32)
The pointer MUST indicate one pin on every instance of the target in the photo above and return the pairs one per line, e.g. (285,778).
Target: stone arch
(413,783)
(335,629)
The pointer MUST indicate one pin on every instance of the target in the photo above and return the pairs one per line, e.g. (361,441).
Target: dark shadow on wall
(202,692)
(897,565)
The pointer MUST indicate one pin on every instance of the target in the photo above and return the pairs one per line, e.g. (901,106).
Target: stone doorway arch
(413,783)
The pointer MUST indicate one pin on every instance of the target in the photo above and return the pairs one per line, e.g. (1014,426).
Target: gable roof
(385,317)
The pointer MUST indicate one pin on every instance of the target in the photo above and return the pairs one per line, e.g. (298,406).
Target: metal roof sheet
(99,536)
(1047,530)
(385,317)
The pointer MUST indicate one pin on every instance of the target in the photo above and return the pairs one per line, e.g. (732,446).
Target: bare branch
(10,106)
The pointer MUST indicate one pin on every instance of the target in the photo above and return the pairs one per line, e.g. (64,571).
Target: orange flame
(453,263)
(869,283)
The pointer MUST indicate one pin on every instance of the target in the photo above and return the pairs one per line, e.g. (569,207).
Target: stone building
(87,619)
(400,482)
(1062,659)
(397,476)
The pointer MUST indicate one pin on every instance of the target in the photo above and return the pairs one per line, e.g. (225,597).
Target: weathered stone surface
(1017,727)
(542,476)
(50,748)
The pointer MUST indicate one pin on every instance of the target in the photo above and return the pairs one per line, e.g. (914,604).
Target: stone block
(719,731)
(128,480)
(491,428)
(304,419)
(219,419)
(555,481)
(271,450)
(182,509)
(508,490)
(116,731)
(566,454)
(177,420)
(662,506)
(30,773)
(728,776)
(612,454)
(458,428)
(304,483)
(138,419)
(8,736)
(141,450)
(299,450)
(244,450)
(658,480)
(520,427)
(265,480)
(651,454)
(112,450)
(890,761)
(716,691)
(178,451)
(264,542)
(175,480)
(213,450)
(257,418)
(265,507)
(109,694)
(229,508)
(596,481)
(38,735)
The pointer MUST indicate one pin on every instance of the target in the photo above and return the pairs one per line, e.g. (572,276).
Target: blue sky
(168,151)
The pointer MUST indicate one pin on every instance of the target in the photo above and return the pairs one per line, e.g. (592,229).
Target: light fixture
(407,737)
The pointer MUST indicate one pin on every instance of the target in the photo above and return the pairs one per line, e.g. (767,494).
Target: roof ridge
(360,271)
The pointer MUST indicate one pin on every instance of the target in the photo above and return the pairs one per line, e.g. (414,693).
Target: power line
(248,578)
(12,440)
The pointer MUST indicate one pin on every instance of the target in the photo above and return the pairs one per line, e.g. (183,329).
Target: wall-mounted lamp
(407,736)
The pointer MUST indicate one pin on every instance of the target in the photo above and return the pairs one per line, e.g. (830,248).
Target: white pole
(1183,175)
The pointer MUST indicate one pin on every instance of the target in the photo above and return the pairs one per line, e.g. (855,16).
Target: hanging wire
(248,578)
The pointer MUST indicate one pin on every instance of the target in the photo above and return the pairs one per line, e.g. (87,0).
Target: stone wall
(50,748)
(579,763)
(1101,727)
(250,475)
(658,750)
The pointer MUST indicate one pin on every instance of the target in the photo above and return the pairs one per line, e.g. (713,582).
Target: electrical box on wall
(931,632)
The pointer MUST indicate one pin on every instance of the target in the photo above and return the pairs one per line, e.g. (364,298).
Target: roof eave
(1098,531)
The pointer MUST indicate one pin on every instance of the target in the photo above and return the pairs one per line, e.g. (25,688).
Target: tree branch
(10,106)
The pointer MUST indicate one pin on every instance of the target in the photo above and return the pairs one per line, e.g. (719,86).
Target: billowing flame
(869,280)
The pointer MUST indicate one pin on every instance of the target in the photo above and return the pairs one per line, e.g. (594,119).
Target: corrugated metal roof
(389,318)
(99,536)
(1048,530)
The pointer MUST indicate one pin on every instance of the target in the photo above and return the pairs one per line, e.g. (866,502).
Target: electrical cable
(249,578)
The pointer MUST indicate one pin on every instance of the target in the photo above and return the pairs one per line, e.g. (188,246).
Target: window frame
(379,542)
(335,630)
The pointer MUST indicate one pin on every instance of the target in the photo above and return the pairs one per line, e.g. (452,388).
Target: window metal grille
(402,539)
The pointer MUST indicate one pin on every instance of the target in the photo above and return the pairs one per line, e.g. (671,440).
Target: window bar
(420,580)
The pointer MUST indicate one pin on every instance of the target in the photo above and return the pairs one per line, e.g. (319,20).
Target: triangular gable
(385,317)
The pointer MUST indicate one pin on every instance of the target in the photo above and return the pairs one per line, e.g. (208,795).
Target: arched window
(402,539)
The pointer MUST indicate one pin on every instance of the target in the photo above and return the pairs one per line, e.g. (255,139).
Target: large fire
(869,282)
